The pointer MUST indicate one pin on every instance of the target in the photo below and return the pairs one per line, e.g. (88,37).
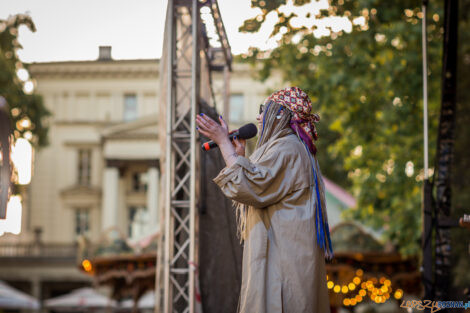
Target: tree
(26,109)
(365,80)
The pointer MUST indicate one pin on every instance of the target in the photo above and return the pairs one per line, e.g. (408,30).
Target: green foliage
(367,86)
(349,237)
(22,106)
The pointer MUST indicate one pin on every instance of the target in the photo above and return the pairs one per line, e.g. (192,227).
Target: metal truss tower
(182,104)
(189,59)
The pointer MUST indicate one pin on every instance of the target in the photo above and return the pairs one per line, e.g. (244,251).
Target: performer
(281,207)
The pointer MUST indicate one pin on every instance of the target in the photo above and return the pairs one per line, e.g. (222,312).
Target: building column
(153,190)
(141,109)
(36,291)
(109,217)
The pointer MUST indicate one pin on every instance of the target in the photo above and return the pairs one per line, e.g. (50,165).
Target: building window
(82,222)
(84,166)
(130,107)
(138,222)
(236,107)
(139,181)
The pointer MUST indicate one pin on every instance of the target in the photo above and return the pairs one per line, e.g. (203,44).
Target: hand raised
(211,129)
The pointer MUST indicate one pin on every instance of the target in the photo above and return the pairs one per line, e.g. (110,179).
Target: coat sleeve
(265,182)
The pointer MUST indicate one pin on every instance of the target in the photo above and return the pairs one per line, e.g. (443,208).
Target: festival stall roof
(10,298)
(123,271)
(80,299)
(128,268)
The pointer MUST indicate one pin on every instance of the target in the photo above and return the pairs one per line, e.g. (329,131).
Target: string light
(86,264)
(398,294)
(379,290)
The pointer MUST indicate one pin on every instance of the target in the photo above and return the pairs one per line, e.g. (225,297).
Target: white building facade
(103,152)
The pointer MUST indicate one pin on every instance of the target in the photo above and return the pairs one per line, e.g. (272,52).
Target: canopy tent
(10,298)
(79,299)
(147,301)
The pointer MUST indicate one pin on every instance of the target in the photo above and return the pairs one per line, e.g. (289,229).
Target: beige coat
(283,266)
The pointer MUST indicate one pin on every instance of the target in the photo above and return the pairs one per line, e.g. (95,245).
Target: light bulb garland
(378,290)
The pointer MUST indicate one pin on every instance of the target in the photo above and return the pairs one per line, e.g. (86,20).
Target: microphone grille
(248,131)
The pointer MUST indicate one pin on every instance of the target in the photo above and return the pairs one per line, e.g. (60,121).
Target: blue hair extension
(329,251)
(319,209)
(322,228)
(264,117)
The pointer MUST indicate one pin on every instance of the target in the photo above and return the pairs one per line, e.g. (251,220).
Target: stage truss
(190,57)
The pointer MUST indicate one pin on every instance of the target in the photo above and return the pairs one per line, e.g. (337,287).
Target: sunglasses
(262,107)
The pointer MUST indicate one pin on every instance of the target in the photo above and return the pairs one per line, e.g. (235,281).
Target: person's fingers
(201,120)
(199,127)
(202,123)
(237,142)
(234,144)
(237,145)
(208,120)
(198,121)
(205,128)
(222,122)
(204,133)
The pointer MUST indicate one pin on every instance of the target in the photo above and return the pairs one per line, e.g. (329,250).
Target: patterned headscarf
(303,120)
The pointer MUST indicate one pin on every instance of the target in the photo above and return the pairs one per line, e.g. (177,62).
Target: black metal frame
(5,164)
(437,212)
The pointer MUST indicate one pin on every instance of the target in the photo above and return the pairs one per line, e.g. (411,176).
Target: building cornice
(84,123)
(116,69)
(123,163)
(125,136)
(79,144)
(137,68)
(126,61)
(78,196)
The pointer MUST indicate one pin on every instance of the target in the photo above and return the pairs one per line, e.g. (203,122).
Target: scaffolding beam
(182,106)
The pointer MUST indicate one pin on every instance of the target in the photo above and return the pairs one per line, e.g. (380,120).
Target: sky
(73,30)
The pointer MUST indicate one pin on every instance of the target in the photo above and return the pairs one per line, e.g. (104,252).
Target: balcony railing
(65,252)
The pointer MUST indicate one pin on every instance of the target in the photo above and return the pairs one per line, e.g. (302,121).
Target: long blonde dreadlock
(272,125)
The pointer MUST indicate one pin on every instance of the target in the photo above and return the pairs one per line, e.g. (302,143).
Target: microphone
(245,132)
